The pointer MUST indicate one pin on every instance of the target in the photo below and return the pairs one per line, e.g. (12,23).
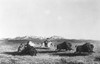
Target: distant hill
(56,39)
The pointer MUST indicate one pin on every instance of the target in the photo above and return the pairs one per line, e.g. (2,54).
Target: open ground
(8,55)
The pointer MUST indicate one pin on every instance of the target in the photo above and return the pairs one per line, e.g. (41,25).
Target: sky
(72,19)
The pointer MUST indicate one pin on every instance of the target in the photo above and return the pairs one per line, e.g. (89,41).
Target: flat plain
(8,55)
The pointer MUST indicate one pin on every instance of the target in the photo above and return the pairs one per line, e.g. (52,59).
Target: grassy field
(8,55)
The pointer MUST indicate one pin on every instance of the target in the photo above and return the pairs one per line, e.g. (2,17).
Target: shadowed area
(14,53)
(61,53)
(71,54)
(47,51)
(41,47)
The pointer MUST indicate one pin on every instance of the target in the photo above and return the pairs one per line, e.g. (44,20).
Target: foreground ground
(45,56)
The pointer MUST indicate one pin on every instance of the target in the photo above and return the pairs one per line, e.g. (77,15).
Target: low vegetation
(8,53)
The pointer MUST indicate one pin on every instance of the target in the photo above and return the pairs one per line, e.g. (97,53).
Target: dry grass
(46,58)
(5,59)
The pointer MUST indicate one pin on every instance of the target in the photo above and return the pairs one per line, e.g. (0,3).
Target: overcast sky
(76,19)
